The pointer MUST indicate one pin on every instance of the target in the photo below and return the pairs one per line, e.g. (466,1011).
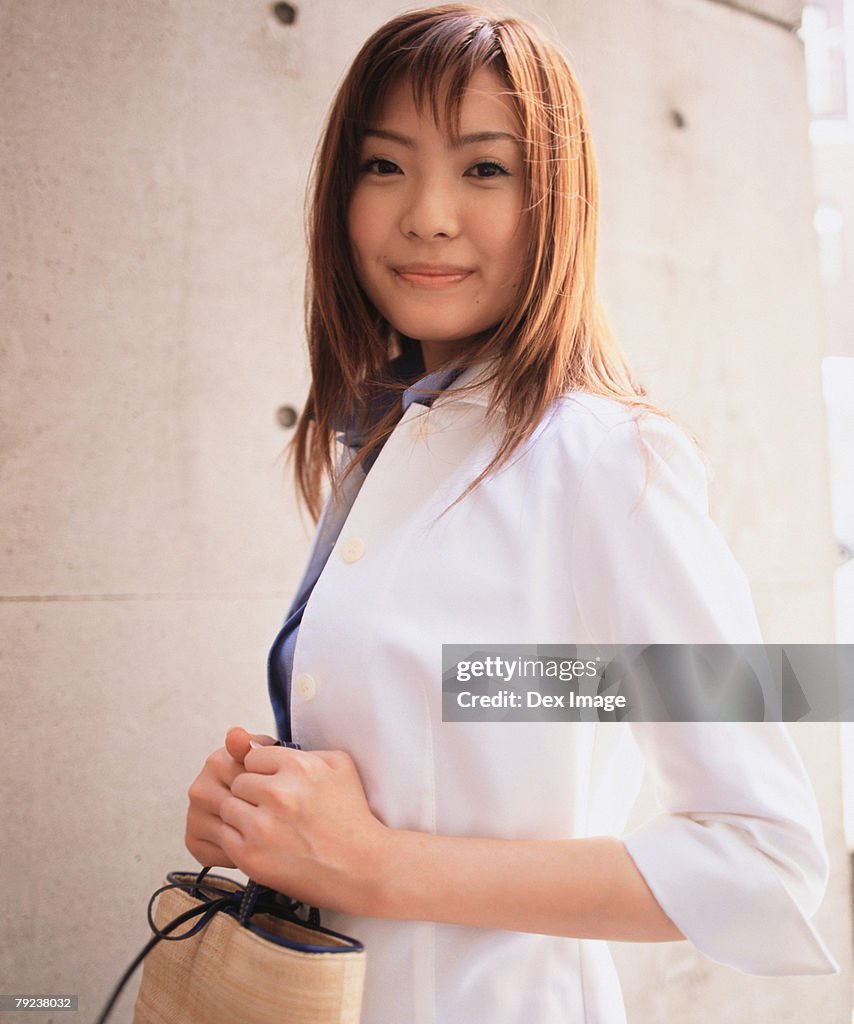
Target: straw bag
(243,955)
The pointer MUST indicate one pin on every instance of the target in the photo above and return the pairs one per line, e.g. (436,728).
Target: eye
(380,167)
(488,169)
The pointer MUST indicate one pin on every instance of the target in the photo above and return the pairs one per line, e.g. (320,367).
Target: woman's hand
(209,789)
(299,822)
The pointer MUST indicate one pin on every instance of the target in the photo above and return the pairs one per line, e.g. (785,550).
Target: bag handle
(205,911)
(246,900)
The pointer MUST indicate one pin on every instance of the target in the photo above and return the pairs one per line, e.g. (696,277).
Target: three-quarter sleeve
(736,857)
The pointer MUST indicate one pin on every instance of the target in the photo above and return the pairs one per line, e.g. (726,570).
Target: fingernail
(253,744)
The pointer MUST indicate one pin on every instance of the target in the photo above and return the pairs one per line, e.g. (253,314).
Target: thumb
(238,742)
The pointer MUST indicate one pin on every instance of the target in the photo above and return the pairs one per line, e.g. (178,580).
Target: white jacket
(597,532)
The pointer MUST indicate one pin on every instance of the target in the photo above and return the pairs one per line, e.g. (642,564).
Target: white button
(306,686)
(422,428)
(352,550)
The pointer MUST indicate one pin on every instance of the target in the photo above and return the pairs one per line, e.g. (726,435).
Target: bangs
(438,60)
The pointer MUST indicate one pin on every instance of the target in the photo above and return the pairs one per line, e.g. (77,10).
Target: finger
(201,839)
(209,855)
(339,760)
(215,841)
(238,742)
(207,792)
(251,787)
(202,827)
(235,815)
(269,760)
(221,766)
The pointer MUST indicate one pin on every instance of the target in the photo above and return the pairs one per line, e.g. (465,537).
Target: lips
(432,275)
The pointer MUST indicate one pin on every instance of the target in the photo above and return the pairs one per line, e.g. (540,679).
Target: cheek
(366,247)
(356,229)
(364,226)
(515,259)
(506,232)
(519,248)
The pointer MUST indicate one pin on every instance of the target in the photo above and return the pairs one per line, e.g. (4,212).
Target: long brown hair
(556,338)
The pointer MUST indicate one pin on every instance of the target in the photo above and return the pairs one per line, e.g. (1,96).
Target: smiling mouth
(432,279)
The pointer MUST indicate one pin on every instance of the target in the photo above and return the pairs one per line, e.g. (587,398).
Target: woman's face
(438,233)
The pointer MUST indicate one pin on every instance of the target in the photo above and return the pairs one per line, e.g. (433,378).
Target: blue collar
(432,383)
(423,391)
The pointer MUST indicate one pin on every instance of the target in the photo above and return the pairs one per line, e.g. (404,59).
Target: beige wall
(833,163)
(155,157)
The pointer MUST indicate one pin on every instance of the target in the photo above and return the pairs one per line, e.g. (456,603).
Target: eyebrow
(464,140)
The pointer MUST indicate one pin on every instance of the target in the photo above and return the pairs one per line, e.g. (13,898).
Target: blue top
(280,660)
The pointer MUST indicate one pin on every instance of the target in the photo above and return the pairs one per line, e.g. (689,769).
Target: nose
(430,212)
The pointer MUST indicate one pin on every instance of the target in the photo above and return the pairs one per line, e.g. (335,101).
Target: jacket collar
(472,385)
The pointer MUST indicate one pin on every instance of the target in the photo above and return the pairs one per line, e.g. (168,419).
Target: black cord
(205,911)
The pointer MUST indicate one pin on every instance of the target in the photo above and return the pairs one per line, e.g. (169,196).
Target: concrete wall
(155,157)
(833,162)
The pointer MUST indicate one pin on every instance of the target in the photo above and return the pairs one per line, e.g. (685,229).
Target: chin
(430,333)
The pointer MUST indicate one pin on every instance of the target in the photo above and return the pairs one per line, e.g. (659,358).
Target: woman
(502,480)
